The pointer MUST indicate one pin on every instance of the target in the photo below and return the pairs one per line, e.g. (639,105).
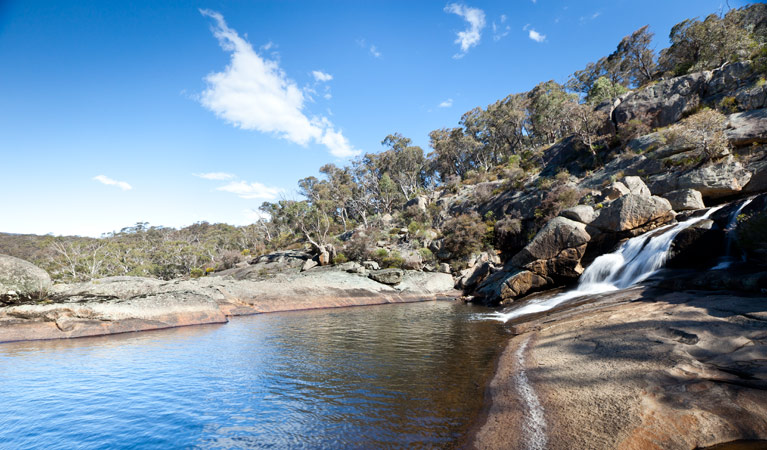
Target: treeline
(505,139)
(139,250)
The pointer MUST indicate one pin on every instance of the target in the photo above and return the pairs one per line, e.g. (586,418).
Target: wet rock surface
(637,369)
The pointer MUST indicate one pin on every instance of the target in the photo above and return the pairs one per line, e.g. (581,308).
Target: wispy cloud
(502,30)
(218,176)
(471,36)
(254,93)
(110,182)
(446,104)
(253,190)
(370,47)
(321,76)
(534,35)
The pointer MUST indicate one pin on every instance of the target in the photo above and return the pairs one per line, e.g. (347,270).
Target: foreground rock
(21,280)
(125,304)
(637,369)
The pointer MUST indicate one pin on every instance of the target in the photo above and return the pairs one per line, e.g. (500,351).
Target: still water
(409,375)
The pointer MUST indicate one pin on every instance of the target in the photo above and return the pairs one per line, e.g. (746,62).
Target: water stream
(633,262)
(393,376)
(727,259)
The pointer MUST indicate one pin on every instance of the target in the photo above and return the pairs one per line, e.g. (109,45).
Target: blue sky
(171,113)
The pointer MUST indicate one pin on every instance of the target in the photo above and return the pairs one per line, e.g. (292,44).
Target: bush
(463,235)
(392,260)
(196,272)
(358,247)
(426,255)
(340,258)
(229,259)
(633,129)
(703,132)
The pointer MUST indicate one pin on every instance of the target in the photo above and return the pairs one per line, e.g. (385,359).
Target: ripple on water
(404,375)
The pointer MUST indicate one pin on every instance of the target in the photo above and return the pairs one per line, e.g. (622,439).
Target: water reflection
(397,375)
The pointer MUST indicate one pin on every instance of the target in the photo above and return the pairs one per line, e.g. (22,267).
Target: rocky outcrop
(747,128)
(506,285)
(637,369)
(581,213)
(665,102)
(125,304)
(698,246)
(556,251)
(717,180)
(387,276)
(633,212)
(685,200)
(21,280)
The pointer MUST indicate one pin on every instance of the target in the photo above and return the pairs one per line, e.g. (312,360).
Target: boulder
(746,128)
(387,276)
(556,251)
(370,265)
(633,211)
(636,186)
(419,201)
(309,264)
(444,268)
(505,286)
(698,246)
(581,213)
(729,78)
(21,280)
(717,180)
(685,199)
(758,181)
(614,191)
(663,103)
(473,276)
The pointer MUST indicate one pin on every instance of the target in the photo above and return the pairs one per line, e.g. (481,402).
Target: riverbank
(642,368)
(130,304)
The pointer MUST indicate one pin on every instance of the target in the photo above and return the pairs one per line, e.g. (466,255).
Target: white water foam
(635,261)
(534,426)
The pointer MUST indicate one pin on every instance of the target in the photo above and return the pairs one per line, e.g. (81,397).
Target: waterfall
(727,259)
(632,263)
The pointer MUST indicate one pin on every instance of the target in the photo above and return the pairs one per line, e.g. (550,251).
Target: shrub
(633,129)
(358,247)
(392,260)
(702,132)
(340,258)
(463,235)
(196,272)
(728,105)
(229,259)
(426,255)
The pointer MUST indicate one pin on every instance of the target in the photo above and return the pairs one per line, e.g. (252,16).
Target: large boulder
(556,251)
(636,186)
(663,103)
(633,211)
(698,246)
(21,280)
(758,181)
(717,180)
(746,128)
(580,213)
(505,286)
(614,191)
(685,200)
(387,276)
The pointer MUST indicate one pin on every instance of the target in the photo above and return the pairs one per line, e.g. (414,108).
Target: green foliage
(426,255)
(728,105)
(604,89)
(392,260)
(340,258)
(196,272)
(463,235)
(704,132)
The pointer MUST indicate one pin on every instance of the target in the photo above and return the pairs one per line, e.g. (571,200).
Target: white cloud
(536,36)
(471,36)
(250,190)
(110,182)
(321,76)
(218,176)
(372,48)
(447,103)
(254,215)
(254,93)
(501,31)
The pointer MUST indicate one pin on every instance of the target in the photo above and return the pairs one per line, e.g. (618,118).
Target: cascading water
(727,259)
(632,263)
